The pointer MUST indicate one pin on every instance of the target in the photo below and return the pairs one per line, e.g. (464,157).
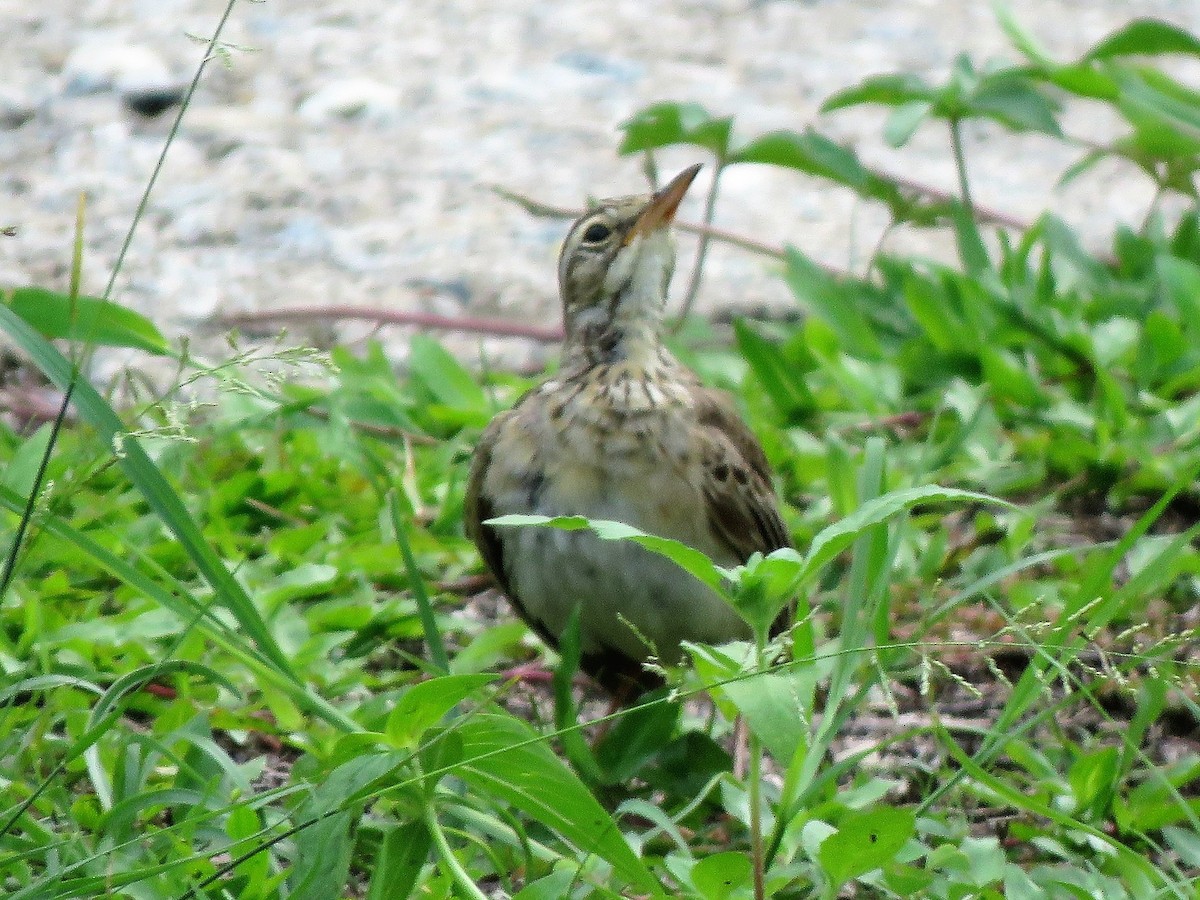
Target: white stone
(352,98)
(98,65)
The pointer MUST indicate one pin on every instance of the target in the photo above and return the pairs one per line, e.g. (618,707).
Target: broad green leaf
(985,860)
(401,856)
(887,90)
(864,841)
(1019,886)
(1094,780)
(1145,37)
(811,153)
(1082,80)
(927,301)
(1154,102)
(554,886)
(1181,278)
(722,875)
(1185,842)
(666,124)
(91,320)
(773,704)
(837,537)
(506,760)
(636,738)
(243,827)
(426,703)
(1016,103)
(1008,379)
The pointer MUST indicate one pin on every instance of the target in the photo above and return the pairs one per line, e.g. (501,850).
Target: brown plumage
(622,432)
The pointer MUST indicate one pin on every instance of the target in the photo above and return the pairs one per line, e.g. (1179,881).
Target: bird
(622,431)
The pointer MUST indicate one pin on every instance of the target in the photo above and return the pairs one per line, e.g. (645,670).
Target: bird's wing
(477,507)
(736,480)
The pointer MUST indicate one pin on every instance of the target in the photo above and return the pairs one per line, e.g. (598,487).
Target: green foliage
(88,320)
(234,663)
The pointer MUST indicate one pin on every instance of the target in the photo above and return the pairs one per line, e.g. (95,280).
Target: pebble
(352,98)
(96,67)
(16,107)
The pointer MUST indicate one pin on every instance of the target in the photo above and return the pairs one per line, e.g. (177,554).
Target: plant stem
(693,288)
(449,860)
(757,859)
(960,165)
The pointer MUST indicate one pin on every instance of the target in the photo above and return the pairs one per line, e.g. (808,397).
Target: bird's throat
(624,334)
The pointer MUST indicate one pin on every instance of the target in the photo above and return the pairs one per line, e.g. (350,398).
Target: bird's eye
(596,232)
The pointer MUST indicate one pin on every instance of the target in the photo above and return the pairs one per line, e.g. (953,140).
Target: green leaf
(864,841)
(971,249)
(722,875)
(1014,101)
(833,301)
(1094,779)
(426,703)
(1082,166)
(88,320)
(666,124)
(403,853)
(1022,39)
(886,90)
(165,502)
(904,121)
(831,541)
(1147,37)
(1181,278)
(1185,842)
(1082,80)
(1008,379)
(772,704)
(927,301)
(21,470)
(1165,113)
(505,760)
(444,375)
(636,738)
(554,886)
(809,152)
(323,847)
(780,377)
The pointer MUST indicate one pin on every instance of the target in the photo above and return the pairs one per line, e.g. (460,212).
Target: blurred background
(344,153)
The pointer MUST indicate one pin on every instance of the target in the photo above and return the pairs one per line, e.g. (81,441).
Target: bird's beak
(661,209)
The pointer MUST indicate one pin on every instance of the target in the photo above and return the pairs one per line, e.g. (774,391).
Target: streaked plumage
(621,432)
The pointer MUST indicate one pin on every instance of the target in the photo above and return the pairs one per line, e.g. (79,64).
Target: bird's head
(616,264)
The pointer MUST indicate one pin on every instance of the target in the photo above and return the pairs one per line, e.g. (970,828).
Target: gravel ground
(345,152)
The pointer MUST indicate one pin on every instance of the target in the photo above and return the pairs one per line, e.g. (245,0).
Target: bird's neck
(618,333)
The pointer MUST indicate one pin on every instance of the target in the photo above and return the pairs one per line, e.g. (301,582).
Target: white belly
(615,583)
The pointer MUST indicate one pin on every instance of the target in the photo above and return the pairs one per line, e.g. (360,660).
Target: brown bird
(624,432)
